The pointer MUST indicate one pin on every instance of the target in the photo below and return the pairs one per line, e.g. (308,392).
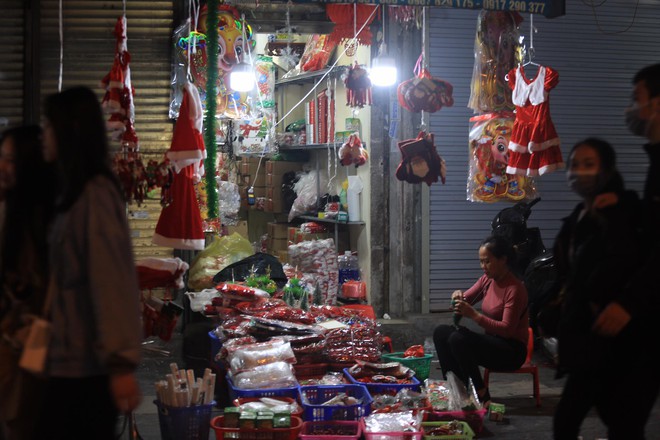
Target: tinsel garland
(211,92)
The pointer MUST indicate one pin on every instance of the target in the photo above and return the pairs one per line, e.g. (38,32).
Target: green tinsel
(211,92)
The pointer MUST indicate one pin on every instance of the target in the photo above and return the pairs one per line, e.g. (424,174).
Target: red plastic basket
(221,433)
(331,430)
(313,397)
(385,388)
(285,400)
(395,435)
(473,418)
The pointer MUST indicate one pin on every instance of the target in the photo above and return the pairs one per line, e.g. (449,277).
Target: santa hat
(161,272)
(187,146)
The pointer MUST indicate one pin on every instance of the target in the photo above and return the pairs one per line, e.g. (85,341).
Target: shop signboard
(548,8)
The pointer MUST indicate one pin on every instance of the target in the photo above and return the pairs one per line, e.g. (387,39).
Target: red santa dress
(180,223)
(534,147)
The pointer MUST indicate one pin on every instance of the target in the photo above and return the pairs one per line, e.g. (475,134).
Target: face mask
(584,185)
(635,123)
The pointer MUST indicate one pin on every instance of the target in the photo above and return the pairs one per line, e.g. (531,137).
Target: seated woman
(504,318)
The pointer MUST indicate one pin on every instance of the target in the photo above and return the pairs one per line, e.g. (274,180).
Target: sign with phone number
(548,8)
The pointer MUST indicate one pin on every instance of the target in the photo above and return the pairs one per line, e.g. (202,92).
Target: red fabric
(180,223)
(346,25)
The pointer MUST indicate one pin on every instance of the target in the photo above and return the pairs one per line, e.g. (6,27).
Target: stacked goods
(389,378)
(317,260)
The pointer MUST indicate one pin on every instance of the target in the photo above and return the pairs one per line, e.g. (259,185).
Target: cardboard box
(283,256)
(275,206)
(274,180)
(254,180)
(277,244)
(241,228)
(281,167)
(278,230)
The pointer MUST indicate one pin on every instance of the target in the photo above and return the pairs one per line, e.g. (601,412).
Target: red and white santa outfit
(534,147)
(180,222)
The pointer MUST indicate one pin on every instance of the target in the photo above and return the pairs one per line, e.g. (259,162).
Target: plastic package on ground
(222,252)
(274,375)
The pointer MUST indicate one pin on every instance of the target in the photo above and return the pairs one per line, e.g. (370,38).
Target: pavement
(523,420)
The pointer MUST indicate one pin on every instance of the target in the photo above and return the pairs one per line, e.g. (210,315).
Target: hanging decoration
(211,90)
(496,52)
(420,161)
(424,93)
(180,224)
(488,179)
(407,16)
(118,103)
(358,86)
(348,16)
(352,152)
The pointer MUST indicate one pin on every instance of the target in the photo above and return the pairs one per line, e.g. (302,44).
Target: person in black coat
(597,252)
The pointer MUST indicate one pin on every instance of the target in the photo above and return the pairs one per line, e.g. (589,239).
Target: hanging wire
(422,125)
(61,29)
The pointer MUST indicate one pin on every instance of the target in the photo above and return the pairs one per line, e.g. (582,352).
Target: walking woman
(96,337)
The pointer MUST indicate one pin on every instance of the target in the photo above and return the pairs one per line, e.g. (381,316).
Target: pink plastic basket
(399,435)
(331,430)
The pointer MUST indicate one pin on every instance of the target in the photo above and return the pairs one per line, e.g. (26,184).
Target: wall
(596,52)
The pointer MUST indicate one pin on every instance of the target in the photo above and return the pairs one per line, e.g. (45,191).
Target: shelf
(309,147)
(308,77)
(328,220)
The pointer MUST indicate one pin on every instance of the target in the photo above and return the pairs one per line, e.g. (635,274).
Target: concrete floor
(524,421)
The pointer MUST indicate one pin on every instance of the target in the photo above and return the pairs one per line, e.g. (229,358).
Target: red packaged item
(414,351)
(289,314)
(259,306)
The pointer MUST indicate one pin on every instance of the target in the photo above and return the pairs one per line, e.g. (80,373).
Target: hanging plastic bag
(425,92)
(488,180)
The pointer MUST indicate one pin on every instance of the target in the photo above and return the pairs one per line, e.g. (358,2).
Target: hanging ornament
(425,92)
(348,17)
(288,57)
(420,161)
(358,86)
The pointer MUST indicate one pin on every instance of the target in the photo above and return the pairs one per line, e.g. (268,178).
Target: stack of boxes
(266,181)
(253,176)
(281,235)
(275,171)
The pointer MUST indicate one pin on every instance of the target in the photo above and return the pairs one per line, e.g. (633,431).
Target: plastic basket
(256,434)
(395,435)
(185,423)
(313,397)
(421,365)
(385,388)
(331,430)
(468,433)
(235,393)
(286,400)
(216,344)
(473,418)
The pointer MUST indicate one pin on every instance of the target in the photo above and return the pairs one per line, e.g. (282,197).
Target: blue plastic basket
(186,423)
(312,398)
(235,393)
(376,389)
(216,345)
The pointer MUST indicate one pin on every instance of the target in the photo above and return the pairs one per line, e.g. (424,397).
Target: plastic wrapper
(273,375)
(236,327)
(265,72)
(460,397)
(229,201)
(488,180)
(405,421)
(438,393)
(289,314)
(405,400)
(251,356)
(199,300)
(231,344)
(496,51)
(317,260)
(222,252)
(264,327)
(306,194)
(353,343)
(180,65)
(259,306)
(240,292)
(316,55)
(272,404)
(313,228)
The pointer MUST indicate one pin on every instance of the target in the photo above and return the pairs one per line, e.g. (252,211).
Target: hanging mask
(584,184)
(636,124)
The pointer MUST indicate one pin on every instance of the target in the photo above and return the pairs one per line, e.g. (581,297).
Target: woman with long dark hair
(95,346)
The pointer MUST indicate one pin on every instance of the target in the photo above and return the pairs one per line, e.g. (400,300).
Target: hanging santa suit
(180,222)
(534,148)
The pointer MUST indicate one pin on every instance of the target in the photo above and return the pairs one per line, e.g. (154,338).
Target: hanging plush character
(352,152)
(233,41)
(420,161)
(490,153)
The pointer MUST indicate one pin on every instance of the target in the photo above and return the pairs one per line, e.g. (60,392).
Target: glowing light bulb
(383,71)
(241,78)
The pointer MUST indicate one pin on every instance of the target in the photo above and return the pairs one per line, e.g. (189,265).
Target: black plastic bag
(259,264)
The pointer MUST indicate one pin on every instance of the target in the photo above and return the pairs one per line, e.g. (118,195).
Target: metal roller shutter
(88,54)
(12,54)
(595,72)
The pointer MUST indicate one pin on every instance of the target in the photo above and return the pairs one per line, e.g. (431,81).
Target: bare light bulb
(241,78)
(383,71)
